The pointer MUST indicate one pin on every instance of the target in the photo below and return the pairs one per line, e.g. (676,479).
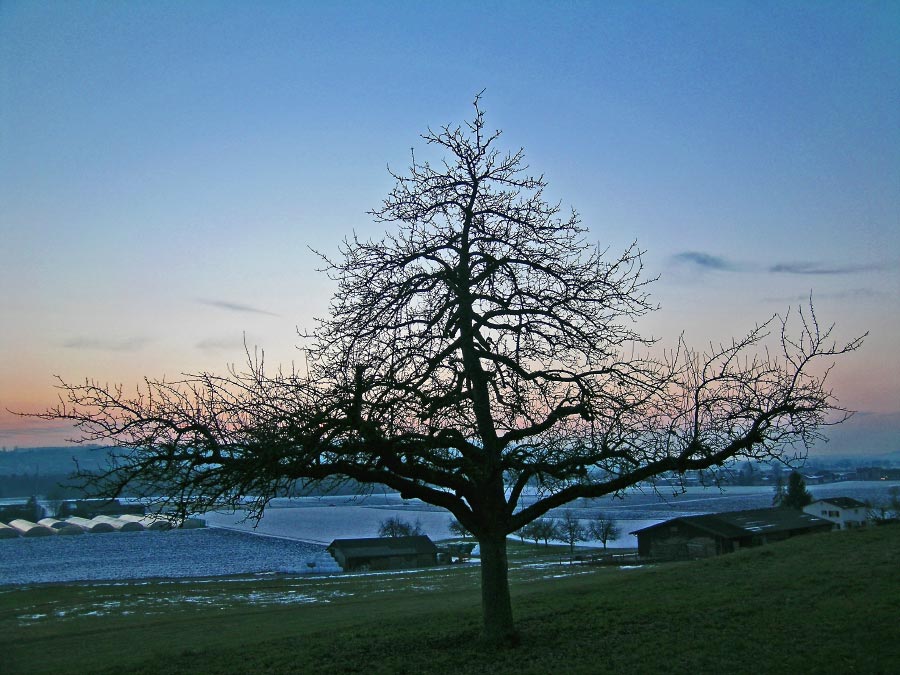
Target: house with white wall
(844,512)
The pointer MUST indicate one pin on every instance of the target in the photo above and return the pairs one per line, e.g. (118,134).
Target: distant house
(844,512)
(383,553)
(717,533)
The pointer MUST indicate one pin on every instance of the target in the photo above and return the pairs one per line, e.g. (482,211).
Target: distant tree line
(571,530)
(52,486)
(398,527)
(56,486)
(338,487)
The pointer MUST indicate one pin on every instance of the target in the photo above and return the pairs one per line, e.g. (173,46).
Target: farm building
(28,529)
(383,553)
(716,533)
(60,526)
(118,524)
(149,522)
(844,512)
(90,526)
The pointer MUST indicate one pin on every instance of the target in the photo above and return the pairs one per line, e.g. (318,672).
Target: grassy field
(824,603)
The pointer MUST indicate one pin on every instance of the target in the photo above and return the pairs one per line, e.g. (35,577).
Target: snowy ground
(293,534)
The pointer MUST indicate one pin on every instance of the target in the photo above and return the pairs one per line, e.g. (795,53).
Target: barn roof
(736,524)
(842,502)
(384,546)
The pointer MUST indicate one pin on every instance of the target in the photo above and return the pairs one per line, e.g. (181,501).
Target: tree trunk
(495,601)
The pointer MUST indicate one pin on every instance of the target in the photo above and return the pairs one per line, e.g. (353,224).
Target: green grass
(824,603)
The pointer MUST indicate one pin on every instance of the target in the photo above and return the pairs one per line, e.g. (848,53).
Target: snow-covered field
(323,519)
(293,534)
(137,555)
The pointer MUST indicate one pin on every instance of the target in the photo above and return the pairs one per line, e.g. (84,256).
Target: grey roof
(736,524)
(711,523)
(384,546)
(842,502)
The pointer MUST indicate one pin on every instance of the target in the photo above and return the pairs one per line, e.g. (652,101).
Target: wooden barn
(383,553)
(716,533)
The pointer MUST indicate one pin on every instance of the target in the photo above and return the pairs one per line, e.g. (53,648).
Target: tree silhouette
(780,491)
(604,529)
(796,496)
(397,527)
(539,530)
(570,530)
(457,529)
(481,347)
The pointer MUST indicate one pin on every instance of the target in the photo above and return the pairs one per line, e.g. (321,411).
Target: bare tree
(547,530)
(480,347)
(397,527)
(539,530)
(458,529)
(524,533)
(571,531)
(604,529)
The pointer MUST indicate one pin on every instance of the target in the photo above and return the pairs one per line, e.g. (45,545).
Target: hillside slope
(823,603)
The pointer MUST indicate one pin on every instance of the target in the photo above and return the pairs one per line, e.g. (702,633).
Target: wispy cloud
(818,268)
(709,261)
(849,294)
(131,344)
(235,307)
(706,261)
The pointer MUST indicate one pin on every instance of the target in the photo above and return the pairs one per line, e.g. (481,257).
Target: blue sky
(165,167)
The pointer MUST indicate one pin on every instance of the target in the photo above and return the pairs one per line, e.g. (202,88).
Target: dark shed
(384,553)
(717,533)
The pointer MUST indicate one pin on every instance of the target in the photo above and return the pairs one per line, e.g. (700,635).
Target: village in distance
(35,486)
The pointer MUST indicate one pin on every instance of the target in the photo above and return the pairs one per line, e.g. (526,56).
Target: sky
(168,169)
